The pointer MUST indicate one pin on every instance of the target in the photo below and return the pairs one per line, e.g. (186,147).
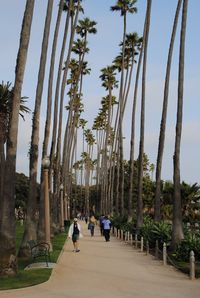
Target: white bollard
(136,241)
(164,254)
(142,244)
(192,265)
(131,239)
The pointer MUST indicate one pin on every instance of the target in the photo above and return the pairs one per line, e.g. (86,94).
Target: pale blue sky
(103,48)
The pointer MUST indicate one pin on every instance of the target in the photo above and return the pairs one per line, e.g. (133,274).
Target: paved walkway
(109,270)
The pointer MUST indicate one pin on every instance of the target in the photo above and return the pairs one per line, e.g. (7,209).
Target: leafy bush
(153,231)
(147,228)
(191,242)
(119,221)
(162,232)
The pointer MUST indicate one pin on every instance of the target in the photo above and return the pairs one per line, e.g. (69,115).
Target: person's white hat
(75,219)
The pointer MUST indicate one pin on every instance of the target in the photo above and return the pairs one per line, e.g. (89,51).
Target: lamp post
(45,165)
(61,208)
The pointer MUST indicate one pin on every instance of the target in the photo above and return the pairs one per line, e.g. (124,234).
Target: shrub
(153,231)
(191,242)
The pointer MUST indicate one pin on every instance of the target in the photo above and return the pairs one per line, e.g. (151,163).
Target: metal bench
(39,249)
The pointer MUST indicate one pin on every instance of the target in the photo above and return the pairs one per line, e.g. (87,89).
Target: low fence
(159,254)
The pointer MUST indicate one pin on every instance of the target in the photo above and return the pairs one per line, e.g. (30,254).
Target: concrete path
(109,270)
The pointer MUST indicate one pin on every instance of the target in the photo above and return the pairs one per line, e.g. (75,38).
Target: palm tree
(6,99)
(83,28)
(124,6)
(74,19)
(8,261)
(82,124)
(177,228)
(132,141)
(50,83)
(30,226)
(157,214)
(109,82)
(70,12)
(72,9)
(48,117)
(142,120)
(86,26)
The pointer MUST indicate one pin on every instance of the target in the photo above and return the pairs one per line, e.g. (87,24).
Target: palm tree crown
(86,26)
(125,6)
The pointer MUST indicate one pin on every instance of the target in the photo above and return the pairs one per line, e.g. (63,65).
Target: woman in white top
(74,233)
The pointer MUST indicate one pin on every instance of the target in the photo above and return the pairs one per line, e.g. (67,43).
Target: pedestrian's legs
(106,235)
(76,245)
(92,230)
(101,229)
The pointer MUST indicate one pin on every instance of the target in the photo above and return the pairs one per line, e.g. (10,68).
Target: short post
(192,265)
(131,239)
(156,250)
(164,254)
(147,244)
(136,241)
(142,244)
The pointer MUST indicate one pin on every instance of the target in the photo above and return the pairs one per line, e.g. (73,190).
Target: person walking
(91,225)
(106,228)
(74,234)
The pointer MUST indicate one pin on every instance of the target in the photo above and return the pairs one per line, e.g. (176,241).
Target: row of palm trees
(109,163)
(108,124)
(70,73)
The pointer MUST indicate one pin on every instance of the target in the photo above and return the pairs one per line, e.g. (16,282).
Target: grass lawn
(36,276)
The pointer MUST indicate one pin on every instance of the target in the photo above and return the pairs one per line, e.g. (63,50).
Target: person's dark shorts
(75,237)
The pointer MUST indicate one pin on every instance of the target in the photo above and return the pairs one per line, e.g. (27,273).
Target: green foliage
(119,221)
(22,189)
(153,231)
(191,242)
(147,228)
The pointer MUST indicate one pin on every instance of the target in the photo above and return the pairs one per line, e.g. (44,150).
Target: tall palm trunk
(8,263)
(48,118)
(63,85)
(30,225)
(177,227)
(142,121)
(54,195)
(132,142)
(157,214)
(56,100)
(121,103)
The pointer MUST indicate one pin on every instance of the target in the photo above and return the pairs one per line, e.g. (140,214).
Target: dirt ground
(109,270)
